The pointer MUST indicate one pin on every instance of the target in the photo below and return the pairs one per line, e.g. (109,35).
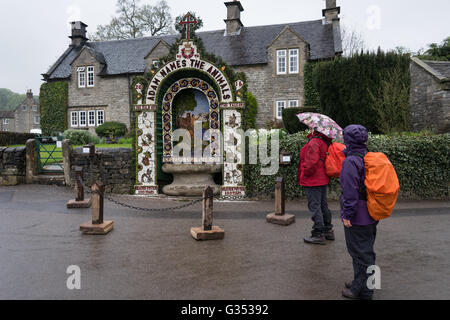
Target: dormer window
(81,77)
(90,76)
(24,108)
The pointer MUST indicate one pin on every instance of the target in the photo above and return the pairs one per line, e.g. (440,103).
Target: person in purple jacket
(360,228)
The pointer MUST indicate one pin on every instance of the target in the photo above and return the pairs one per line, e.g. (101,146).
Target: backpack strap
(362,187)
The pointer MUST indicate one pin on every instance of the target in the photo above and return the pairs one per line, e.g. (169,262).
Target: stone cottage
(430,95)
(99,74)
(24,118)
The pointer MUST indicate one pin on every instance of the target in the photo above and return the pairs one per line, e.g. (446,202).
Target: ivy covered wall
(53,103)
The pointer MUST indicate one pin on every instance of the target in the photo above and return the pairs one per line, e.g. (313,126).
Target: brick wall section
(110,166)
(12,166)
(430,102)
(110,94)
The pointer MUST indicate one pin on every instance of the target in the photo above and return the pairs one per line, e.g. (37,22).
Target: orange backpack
(335,159)
(382,185)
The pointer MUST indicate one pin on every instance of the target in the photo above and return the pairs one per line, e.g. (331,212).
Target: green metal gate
(49,155)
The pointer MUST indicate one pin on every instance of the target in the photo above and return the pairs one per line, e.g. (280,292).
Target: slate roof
(442,67)
(247,48)
(7,114)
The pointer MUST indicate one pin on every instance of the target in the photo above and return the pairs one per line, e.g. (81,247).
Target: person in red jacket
(312,176)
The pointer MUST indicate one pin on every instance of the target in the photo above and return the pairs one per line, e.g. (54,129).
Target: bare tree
(134,21)
(352,41)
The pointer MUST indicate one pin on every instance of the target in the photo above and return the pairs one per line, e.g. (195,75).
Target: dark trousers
(360,242)
(318,206)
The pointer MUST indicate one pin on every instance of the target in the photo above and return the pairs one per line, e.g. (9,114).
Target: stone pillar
(279,216)
(32,158)
(97,226)
(207,231)
(67,151)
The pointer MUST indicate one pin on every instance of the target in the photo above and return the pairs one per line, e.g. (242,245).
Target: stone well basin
(190,180)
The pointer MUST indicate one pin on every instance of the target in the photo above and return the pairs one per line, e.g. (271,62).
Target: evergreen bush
(112,130)
(290,120)
(80,137)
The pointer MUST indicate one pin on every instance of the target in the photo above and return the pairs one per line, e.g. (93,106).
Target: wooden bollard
(208,231)
(79,201)
(279,216)
(97,226)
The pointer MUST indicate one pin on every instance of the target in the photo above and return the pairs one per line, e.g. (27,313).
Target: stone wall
(430,102)
(110,166)
(12,166)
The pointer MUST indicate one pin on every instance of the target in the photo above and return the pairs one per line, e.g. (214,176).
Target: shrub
(53,102)
(251,111)
(112,130)
(14,138)
(80,137)
(421,161)
(357,89)
(291,123)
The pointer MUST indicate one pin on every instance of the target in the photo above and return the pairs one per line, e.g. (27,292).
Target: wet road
(152,256)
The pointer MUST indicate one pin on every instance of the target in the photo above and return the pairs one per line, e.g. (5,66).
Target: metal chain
(193,202)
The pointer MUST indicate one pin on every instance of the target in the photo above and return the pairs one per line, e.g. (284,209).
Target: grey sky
(34,33)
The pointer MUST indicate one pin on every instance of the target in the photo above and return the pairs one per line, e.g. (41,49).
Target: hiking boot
(315,240)
(347,293)
(329,235)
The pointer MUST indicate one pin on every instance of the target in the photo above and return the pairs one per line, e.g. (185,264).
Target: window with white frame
(24,108)
(281,61)
(100,117)
(90,76)
(280,105)
(82,118)
(5,130)
(5,121)
(81,77)
(293,61)
(36,119)
(91,118)
(74,119)
(293,103)
(34,108)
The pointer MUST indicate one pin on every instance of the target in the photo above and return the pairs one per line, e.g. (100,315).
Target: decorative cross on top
(187,21)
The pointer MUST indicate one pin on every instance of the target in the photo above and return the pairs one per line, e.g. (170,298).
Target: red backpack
(335,159)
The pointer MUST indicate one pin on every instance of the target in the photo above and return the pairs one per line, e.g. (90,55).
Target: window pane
(100,117)
(280,106)
(82,118)
(74,119)
(293,103)
(281,61)
(81,79)
(91,118)
(90,71)
(293,58)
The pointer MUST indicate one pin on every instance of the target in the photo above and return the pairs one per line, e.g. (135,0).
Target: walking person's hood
(355,139)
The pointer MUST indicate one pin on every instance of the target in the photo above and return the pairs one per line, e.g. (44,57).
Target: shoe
(347,293)
(348,284)
(329,235)
(315,240)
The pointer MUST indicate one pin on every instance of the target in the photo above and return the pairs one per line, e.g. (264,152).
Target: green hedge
(363,88)
(421,162)
(112,130)
(14,138)
(290,120)
(53,103)
(80,137)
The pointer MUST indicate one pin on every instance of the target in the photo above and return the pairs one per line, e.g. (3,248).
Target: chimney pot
(78,33)
(233,21)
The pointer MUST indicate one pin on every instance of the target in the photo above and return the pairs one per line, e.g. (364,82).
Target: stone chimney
(78,33)
(331,12)
(29,94)
(233,20)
